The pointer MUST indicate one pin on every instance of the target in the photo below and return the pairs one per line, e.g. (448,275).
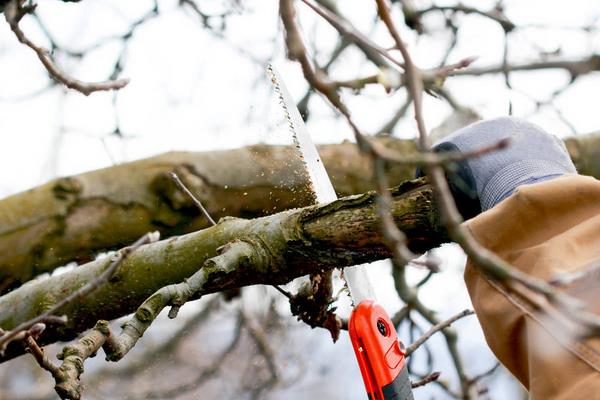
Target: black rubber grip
(400,388)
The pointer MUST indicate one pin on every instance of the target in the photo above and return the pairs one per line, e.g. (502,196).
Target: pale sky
(191,90)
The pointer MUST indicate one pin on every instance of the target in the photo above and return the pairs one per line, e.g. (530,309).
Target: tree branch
(41,229)
(13,13)
(274,250)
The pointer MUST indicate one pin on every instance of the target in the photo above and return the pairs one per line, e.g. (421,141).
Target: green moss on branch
(289,244)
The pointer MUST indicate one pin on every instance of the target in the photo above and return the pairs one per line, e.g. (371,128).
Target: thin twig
(428,379)
(283,292)
(431,159)
(38,354)
(13,13)
(347,30)
(494,15)
(436,328)
(197,202)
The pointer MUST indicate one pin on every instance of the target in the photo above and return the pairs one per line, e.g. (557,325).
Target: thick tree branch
(72,218)
(283,246)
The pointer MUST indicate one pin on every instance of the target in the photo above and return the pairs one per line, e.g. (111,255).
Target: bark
(585,153)
(73,218)
(288,244)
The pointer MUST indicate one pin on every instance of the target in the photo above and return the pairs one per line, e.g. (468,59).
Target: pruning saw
(379,353)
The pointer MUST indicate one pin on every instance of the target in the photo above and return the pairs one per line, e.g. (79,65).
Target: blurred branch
(261,340)
(13,13)
(346,29)
(410,296)
(495,15)
(202,375)
(573,67)
(348,32)
(436,328)
(163,350)
(428,379)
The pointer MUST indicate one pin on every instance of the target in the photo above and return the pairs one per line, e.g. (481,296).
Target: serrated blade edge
(319,179)
(356,277)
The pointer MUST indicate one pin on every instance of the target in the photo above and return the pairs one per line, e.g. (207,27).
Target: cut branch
(73,218)
(43,228)
(283,246)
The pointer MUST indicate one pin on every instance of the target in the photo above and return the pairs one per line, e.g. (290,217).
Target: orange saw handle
(379,354)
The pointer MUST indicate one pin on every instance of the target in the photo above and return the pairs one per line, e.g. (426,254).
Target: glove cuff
(523,172)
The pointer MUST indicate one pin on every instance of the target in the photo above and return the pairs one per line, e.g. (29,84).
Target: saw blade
(356,277)
(319,179)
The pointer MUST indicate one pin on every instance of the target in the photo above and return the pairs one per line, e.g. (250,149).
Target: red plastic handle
(379,353)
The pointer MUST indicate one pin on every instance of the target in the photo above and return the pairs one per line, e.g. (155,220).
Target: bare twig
(38,353)
(431,159)
(13,13)
(282,291)
(347,29)
(413,74)
(428,379)
(197,202)
(436,328)
(494,15)
(574,67)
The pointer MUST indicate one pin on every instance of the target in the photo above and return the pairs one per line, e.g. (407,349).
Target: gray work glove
(479,183)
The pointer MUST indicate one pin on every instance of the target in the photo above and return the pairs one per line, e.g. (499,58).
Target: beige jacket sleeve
(543,229)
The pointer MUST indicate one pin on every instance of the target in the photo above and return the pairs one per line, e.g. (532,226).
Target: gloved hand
(479,183)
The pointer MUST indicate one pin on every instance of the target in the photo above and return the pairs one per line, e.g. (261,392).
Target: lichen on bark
(290,244)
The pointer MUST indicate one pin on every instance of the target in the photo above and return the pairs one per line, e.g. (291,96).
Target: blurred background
(198,83)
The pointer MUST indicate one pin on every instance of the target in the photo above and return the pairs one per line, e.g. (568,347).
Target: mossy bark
(73,218)
(294,243)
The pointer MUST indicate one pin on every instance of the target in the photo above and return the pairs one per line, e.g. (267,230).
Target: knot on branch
(67,188)
(177,199)
(67,377)
(236,256)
